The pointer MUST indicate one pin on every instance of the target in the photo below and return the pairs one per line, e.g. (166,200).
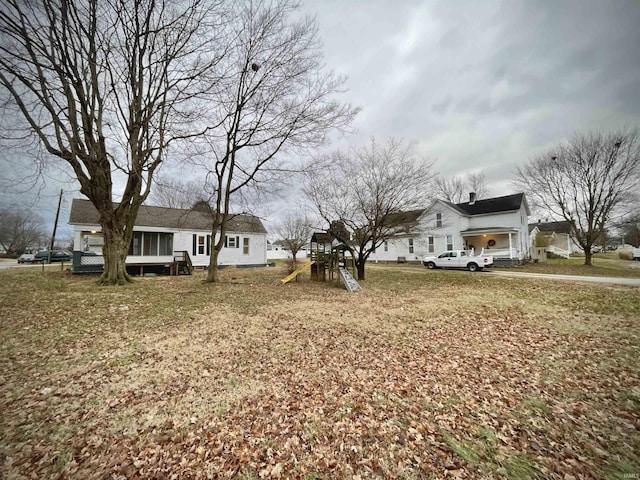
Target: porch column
(78,244)
(510,252)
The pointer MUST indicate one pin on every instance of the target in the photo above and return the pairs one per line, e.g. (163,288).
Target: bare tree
(19,229)
(180,193)
(295,231)
(456,189)
(273,99)
(451,189)
(106,86)
(365,190)
(628,228)
(584,181)
(477,183)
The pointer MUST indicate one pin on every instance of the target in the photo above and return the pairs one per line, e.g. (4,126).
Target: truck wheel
(472,267)
(430,265)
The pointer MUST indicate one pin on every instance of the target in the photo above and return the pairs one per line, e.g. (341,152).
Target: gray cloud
(485,85)
(480,86)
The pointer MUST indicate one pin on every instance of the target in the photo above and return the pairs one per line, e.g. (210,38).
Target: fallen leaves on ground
(250,379)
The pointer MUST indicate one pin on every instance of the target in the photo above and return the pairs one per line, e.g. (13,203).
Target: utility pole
(55,227)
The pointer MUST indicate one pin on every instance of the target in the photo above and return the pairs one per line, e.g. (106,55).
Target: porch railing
(501,252)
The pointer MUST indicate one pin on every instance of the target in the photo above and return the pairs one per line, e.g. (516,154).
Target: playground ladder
(349,282)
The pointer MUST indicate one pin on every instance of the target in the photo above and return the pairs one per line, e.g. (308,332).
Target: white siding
(228,256)
(452,224)
(183,240)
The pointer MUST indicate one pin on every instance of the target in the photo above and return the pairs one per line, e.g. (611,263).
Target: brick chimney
(472,198)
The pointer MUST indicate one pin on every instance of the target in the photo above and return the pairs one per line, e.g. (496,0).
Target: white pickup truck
(635,253)
(458,259)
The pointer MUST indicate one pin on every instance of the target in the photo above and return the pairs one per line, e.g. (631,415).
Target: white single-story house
(557,238)
(497,225)
(162,235)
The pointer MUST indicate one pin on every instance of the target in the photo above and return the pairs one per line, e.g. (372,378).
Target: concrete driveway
(574,278)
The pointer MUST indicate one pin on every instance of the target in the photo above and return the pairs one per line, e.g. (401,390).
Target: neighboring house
(496,225)
(408,243)
(555,237)
(278,250)
(161,234)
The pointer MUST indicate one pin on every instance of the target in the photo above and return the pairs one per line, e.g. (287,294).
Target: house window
(245,246)
(411,245)
(231,242)
(431,244)
(200,244)
(386,246)
(165,244)
(438,220)
(449,242)
(151,243)
(135,248)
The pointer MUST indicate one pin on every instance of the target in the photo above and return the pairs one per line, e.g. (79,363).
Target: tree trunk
(587,256)
(360,268)
(212,275)
(115,254)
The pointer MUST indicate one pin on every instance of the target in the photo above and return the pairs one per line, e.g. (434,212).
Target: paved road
(13,263)
(575,278)
(635,282)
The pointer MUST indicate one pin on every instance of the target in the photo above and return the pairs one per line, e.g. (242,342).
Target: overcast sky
(485,85)
(479,86)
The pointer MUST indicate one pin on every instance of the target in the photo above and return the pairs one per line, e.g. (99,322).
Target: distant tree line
(20,229)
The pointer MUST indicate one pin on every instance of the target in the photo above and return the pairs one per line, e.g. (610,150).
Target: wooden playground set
(328,261)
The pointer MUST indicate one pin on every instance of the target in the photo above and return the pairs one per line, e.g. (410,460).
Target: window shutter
(237,242)
(195,244)
(225,241)
(208,245)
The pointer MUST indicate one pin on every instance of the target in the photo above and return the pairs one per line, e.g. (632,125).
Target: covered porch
(502,243)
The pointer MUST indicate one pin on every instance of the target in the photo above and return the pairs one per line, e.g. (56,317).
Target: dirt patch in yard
(416,376)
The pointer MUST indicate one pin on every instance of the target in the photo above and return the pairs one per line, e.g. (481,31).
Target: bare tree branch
(19,229)
(273,99)
(585,181)
(366,190)
(457,189)
(107,86)
(295,231)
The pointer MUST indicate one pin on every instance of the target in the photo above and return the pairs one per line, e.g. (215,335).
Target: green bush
(625,255)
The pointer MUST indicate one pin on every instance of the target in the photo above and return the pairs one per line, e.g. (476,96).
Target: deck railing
(182,262)
(501,252)
(558,251)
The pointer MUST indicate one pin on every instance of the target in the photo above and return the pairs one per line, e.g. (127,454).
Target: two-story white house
(496,225)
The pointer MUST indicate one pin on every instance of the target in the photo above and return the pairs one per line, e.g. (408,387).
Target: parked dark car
(56,256)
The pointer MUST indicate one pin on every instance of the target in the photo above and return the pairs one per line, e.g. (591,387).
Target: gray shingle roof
(557,227)
(84,213)
(405,221)
(490,205)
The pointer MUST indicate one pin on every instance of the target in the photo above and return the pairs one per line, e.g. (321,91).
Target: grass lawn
(433,374)
(603,265)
